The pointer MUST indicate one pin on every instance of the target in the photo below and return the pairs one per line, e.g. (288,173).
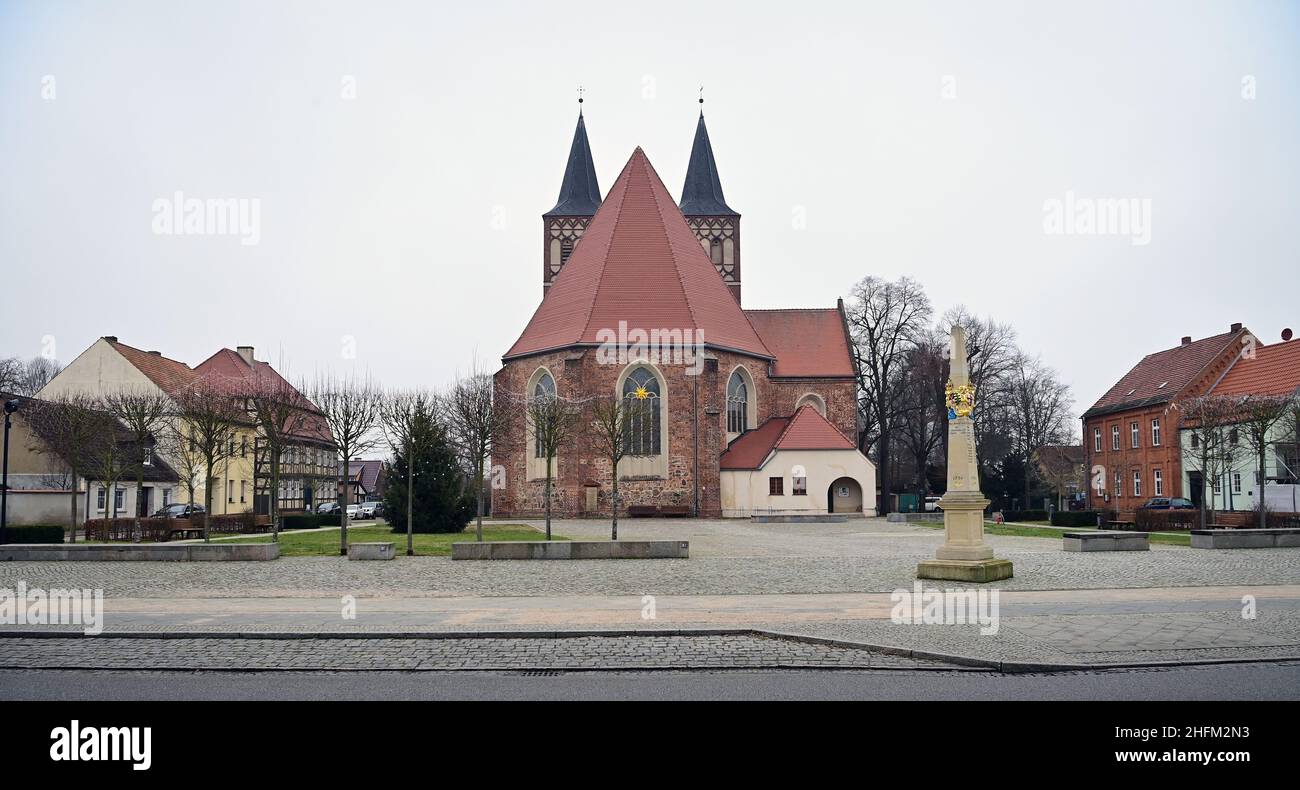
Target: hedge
(1075,518)
(40,533)
(1024,515)
(107,529)
(1165,520)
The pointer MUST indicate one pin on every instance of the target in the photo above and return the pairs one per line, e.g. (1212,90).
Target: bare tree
(472,419)
(1041,407)
(352,406)
(405,416)
(1259,415)
(68,428)
(922,423)
(1207,420)
(26,378)
(884,319)
(281,413)
(612,422)
(554,420)
(145,414)
(1059,469)
(209,420)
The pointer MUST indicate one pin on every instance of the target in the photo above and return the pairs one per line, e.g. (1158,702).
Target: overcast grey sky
(855,138)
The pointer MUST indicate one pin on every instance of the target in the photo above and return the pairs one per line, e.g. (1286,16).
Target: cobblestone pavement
(624,653)
(860,556)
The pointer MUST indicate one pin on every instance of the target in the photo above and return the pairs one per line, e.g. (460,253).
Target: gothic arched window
(641,391)
(544,389)
(737,404)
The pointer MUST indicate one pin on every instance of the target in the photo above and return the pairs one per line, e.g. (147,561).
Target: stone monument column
(964,556)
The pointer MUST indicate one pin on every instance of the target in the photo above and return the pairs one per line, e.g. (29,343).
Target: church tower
(715,224)
(578,201)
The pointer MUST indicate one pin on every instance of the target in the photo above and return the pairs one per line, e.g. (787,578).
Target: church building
(752,412)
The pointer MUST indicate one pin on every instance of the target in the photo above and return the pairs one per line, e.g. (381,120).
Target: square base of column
(977,571)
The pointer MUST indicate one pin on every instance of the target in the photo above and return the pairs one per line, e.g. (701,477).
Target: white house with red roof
(642,299)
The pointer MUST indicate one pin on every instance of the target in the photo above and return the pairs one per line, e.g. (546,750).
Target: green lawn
(1055,532)
(325,542)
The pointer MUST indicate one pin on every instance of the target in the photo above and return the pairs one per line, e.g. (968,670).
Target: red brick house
(644,268)
(1131,434)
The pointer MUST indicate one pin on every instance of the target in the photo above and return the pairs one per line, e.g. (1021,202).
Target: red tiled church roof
(1275,370)
(1173,368)
(806,430)
(807,343)
(639,262)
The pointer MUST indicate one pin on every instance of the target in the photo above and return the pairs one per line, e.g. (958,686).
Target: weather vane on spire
(581,90)
(701,94)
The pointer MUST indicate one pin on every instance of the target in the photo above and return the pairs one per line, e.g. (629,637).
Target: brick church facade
(750,411)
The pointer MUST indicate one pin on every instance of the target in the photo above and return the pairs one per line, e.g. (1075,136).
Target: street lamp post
(10,407)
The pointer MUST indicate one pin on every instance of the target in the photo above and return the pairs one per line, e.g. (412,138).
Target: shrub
(1165,520)
(1024,515)
(41,533)
(1075,518)
(330,520)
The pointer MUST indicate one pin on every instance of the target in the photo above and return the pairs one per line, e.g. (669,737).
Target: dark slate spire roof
(702,194)
(579,193)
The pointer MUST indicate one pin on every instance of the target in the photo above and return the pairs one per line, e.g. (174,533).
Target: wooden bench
(1105,541)
(184,530)
(653,511)
(1119,525)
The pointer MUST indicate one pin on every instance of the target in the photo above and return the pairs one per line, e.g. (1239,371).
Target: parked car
(1168,503)
(372,509)
(179,510)
(932,504)
(327,507)
(354,512)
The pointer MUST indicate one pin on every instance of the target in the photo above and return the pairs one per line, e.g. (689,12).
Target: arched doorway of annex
(844,496)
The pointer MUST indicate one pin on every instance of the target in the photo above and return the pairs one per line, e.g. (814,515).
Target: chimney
(1187,340)
(1236,327)
(155,353)
(111,338)
(247,353)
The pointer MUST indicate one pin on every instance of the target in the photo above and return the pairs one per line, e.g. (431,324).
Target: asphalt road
(1271,681)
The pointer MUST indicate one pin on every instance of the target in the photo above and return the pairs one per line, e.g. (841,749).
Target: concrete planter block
(371,551)
(1105,541)
(572,550)
(141,552)
(1245,538)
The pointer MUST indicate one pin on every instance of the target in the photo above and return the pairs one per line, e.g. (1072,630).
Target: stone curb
(972,662)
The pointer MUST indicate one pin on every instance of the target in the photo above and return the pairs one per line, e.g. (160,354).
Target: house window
(1114,437)
(1158,482)
(1134,434)
(1233,436)
(641,389)
(100,496)
(232,446)
(1137,483)
(230,490)
(1236,482)
(775,486)
(1096,440)
(1119,483)
(243,446)
(119,499)
(1196,441)
(1155,432)
(167,497)
(737,404)
(242,490)
(544,389)
(800,487)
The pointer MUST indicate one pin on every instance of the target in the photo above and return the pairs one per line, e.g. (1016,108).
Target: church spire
(578,201)
(579,192)
(702,193)
(716,225)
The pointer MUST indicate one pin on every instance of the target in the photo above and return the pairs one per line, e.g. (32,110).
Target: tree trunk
(1027,462)
(614,510)
(72,523)
(139,501)
(273,494)
(1263,515)
(548,497)
(478,477)
(207,503)
(343,507)
(410,500)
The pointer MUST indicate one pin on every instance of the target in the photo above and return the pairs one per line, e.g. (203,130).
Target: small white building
(800,465)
